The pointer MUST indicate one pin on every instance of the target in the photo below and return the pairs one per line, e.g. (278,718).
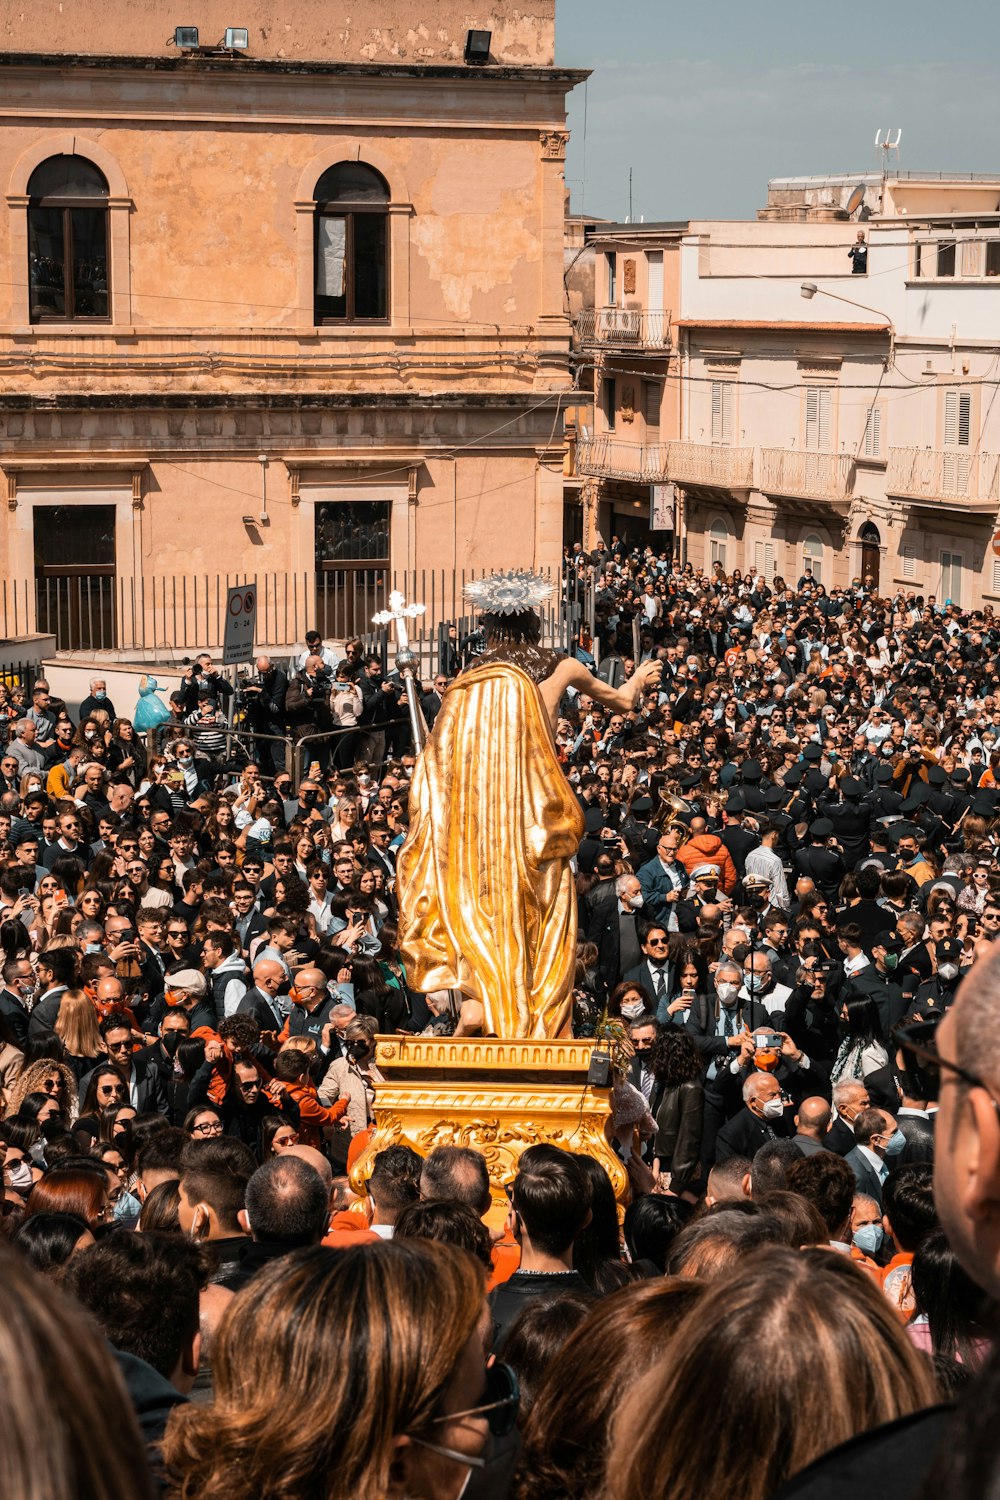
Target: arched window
(812,556)
(718,536)
(352,245)
(67,241)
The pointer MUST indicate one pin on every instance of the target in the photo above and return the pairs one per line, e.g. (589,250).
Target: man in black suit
(141,1074)
(873,1130)
(261,999)
(655,973)
(19,981)
(430,703)
(174,1028)
(849,1099)
(717,1023)
(612,908)
(761,1119)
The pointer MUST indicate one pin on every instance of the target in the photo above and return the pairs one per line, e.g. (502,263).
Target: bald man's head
(314,1159)
(268,976)
(813,1118)
(110,990)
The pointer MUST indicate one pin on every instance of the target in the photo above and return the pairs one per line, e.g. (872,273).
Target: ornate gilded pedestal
(497,1096)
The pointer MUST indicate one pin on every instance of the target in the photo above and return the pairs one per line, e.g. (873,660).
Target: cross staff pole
(406,660)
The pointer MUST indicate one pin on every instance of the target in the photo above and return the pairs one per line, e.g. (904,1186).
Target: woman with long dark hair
(679,1071)
(862,1051)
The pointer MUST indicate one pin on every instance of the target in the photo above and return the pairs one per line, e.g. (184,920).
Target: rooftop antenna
(630,195)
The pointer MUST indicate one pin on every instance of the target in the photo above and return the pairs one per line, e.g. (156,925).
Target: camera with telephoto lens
(247,688)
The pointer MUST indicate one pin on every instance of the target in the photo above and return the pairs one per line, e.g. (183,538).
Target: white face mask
(948,972)
(772,1109)
(727,992)
(637,902)
(632,1009)
(19,1176)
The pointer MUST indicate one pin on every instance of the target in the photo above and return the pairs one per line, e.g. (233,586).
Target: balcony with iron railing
(963,479)
(815,476)
(624,328)
(710,465)
(607,457)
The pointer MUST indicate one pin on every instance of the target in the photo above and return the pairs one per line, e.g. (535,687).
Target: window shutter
(825,405)
(818,409)
(909,562)
(972,257)
(996,576)
(812,417)
(722,411)
(873,432)
(957,416)
(769,561)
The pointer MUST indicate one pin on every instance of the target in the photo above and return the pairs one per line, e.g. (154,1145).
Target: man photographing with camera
(307,705)
(263,698)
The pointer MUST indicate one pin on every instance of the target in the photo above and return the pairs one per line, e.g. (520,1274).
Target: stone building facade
(295,309)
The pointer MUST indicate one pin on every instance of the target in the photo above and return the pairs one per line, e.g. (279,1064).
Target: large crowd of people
(788,895)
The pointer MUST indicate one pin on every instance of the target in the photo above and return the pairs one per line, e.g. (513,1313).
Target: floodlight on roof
(477,47)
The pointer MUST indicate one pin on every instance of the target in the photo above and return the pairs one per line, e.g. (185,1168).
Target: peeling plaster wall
(356,31)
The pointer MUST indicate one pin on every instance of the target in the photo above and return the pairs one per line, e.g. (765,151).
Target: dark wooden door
(75,575)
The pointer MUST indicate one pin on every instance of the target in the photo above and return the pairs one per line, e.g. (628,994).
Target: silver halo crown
(510,593)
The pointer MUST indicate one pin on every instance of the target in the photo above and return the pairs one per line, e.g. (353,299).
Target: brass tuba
(672,809)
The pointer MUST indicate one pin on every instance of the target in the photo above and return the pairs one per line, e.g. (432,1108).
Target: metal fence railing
(163,618)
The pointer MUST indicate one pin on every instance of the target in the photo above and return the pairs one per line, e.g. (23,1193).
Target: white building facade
(841,422)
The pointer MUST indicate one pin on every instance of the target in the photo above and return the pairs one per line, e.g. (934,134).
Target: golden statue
(486,893)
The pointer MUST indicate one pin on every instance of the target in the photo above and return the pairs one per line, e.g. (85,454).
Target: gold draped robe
(487,903)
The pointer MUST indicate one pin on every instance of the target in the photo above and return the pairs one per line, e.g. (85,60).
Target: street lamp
(809,289)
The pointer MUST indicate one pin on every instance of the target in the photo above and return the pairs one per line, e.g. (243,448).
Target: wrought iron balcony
(819,476)
(624,328)
(608,458)
(712,465)
(959,477)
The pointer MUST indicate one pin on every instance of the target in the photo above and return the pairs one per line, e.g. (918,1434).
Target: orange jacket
(313,1115)
(708,849)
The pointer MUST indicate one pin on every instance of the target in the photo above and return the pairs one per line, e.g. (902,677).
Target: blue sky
(706,101)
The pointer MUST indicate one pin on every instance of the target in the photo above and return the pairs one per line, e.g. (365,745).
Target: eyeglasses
(503,1397)
(119,1046)
(917,1041)
(657,942)
(211,1127)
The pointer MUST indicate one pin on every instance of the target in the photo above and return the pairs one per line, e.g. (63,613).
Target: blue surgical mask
(100,696)
(869,1238)
(895,1144)
(127,1207)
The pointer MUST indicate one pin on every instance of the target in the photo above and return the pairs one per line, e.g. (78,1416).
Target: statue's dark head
(523,628)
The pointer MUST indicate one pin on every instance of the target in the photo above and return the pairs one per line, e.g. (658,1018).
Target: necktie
(729,1028)
(659,982)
